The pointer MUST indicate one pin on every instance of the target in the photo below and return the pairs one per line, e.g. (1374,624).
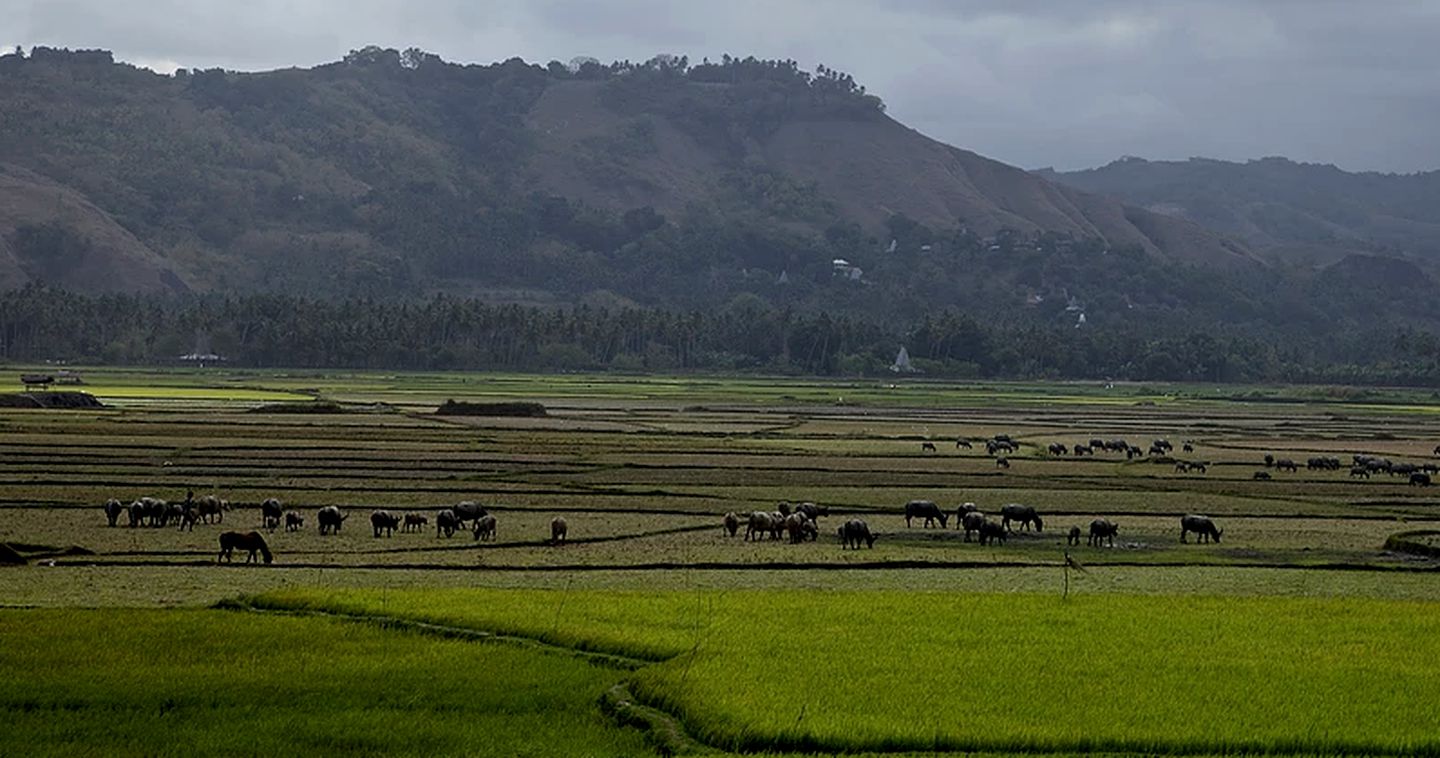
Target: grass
(850,671)
(126,682)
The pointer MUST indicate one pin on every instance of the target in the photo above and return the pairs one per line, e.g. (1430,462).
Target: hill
(1286,211)
(665,183)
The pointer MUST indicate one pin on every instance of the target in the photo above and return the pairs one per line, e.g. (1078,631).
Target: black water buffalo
(1002,462)
(1080,450)
(1188,446)
(330,518)
(1097,443)
(211,509)
(1102,529)
(137,513)
(1418,479)
(1202,526)
(1261,476)
(963,443)
(157,512)
(1057,448)
(468,511)
(559,530)
(991,531)
(926,509)
(759,524)
(294,522)
(855,531)
(485,528)
(962,510)
(812,511)
(927,447)
(971,523)
(446,522)
(732,523)
(1073,537)
(113,509)
(414,522)
(1024,515)
(1285,464)
(1359,471)
(384,521)
(1162,444)
(800,528)
(271,511)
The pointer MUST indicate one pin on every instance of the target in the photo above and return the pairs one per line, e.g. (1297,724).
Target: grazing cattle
(137,513)
(1162,444)
(330,519)
(294,522)
(777,524)
(446,522)
(1133,452)
(1157,451)
(966,444)
(1002,462)
(927,447)
(559,528)
(1436,451)
(384,521)
(1024,515)
(855,531)
(1056,448)
(732,523)
(271,511)
(927,510)
(468,511)
(1430,468)
(1073,538)
(962,510)
(1269,460)
(1080,450)
(1102,529)
(485,528)
(1000,446)
(1403,469)
(1358,471)
(991,531)
(812,511)
(156,511)
(1262,476)
(211,509)
(1097,443)
(1118,446)
(414,522)
(1202,526)
(758,526)
(113,509)
(1201,466)
(1181,467)
(1418,479)
(1188,446)
(800,528)
(783,507)
(971,523)
(251,542)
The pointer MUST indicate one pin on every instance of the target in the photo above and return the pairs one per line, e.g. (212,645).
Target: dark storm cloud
(1070,84)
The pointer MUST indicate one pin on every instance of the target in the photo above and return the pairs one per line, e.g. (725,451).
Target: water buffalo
(927,447)
(991,531)
(330,518)
(294,522)
(1285,464)
(1162,444)
(855,531)
(1080,450)
(468,511)
(1102,529)
(1097,444)
(1202,526)
(384,521)
(1359,471)
(732,523)
(1181,467)
(1002,462)
(962,510)
(137,513)
(1436,451)
(485,527)
(1188,446)
(184,516)
(251,542)
(758,526)
(157,511)
(1263,476)
(966,444)
(812,511)
(1057,448)
(783,507)
(1200,466)
(800,528)
(927,510)
(1024,515)
(211,509)
(1420,480)
(446,522)
(1269,460)
(414,522)
(559,528)
(113,509)
(971,523)
(271,511)
(1157,451)
(1073,538)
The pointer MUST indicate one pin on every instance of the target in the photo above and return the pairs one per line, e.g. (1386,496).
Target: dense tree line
(748,335)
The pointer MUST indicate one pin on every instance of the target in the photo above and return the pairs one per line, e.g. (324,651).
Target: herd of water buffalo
(800,523)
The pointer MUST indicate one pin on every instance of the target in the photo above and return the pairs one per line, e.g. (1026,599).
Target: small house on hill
(37,381)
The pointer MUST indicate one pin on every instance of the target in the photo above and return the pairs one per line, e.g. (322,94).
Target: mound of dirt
(313,406)
(524,410)
(60,400)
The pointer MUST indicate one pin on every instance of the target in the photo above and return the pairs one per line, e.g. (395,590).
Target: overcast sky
(1068,83)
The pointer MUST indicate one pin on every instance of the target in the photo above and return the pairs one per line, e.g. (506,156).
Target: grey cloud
(1028,82)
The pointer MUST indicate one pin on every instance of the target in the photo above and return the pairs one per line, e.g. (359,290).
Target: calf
(294,522)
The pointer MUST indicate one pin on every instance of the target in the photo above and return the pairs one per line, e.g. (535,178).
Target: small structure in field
(40,382)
